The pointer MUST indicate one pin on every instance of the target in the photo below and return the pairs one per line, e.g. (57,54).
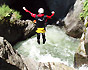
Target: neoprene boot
(38,40)
(44,40)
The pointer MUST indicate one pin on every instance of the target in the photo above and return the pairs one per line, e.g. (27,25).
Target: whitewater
(59,47)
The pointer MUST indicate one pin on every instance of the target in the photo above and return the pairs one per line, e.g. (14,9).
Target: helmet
(41,10)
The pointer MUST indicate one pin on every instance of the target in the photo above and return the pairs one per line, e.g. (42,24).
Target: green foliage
(85,10)
(5,11)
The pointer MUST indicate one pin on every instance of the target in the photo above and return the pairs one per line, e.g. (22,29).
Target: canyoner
(40,21)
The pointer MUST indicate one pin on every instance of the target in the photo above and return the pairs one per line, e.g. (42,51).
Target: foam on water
(58,47)
(83,67)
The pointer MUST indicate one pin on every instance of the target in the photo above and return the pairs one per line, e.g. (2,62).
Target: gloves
(52,12)
(24,8)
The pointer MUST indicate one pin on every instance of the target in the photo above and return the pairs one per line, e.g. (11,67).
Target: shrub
(85,10)
(5,11)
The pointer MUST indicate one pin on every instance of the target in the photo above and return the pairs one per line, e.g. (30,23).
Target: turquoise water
(58,47)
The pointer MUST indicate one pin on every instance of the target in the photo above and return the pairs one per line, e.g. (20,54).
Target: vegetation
(85,10)
(5,11)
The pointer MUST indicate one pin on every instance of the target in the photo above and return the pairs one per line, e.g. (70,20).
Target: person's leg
(43,37)
(38,38)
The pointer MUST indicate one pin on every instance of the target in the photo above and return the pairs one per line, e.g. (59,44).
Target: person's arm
(51,15)
(33,15)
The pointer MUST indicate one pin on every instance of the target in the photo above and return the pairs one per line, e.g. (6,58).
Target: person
(41,20)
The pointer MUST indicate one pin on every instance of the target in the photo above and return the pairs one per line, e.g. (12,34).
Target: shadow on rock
(6,66)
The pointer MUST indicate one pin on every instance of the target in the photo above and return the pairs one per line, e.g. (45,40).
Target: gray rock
(80,60)
(29,30)
(16,31)
(10,57)
(81,56)
(74,27)
(33,65)
(1,40)
(54,66)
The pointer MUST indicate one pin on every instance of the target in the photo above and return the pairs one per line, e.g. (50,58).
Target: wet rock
(86,41)
(80,60)
(30,63)
(54,66)
(16,31)
(61,7)
(33,65)
(81,56)
(29,30)
(7,66)
(74,27)
(9,57)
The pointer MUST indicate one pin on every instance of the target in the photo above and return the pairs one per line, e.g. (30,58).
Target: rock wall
(9,57)
(81,56)
(6,66)
(16,31)
(75,27)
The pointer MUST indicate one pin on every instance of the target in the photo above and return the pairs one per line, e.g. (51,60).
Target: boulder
(86,41)
(16,31)
(9,58)
(33,65)
(54,66)
(80,59)
(29,30)
(81,56)
(74,27)
(7,66)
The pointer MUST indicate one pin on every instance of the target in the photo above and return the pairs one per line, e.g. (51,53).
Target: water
(58,47)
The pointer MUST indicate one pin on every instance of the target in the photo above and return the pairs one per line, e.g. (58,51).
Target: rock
(53,66)
(30,63)
(29,30)
(16,31)
(33,65)
(86,41)
(9,57)
(80,60)
(81,56)
(74,27)
(6,66)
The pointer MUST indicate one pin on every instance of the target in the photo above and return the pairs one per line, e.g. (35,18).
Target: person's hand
(24,8)
(53,12)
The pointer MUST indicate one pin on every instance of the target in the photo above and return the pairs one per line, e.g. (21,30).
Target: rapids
(58,47)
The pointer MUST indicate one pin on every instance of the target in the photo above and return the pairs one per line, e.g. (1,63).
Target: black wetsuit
(41,23)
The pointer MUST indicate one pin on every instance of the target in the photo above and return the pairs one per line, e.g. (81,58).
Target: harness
(40,24)
(40,21)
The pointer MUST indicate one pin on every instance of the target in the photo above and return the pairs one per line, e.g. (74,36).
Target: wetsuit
(40,25)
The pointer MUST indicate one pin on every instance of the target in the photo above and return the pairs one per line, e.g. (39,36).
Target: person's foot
(44,40)
(38,41)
